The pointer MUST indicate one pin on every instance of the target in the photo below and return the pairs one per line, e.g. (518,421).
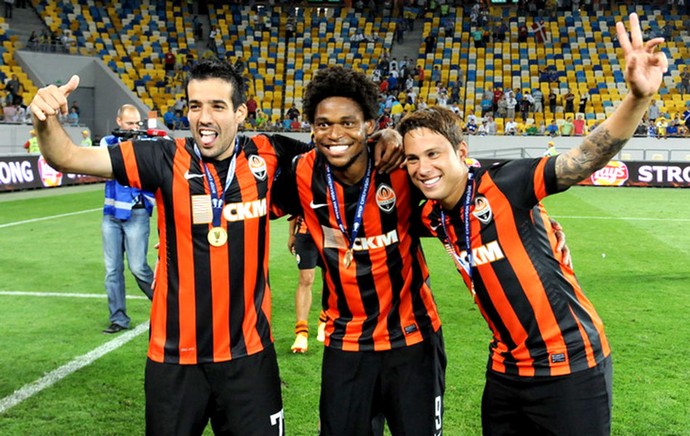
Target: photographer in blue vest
(126,227)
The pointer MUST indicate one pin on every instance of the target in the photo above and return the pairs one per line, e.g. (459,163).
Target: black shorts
(575,404)
(305,251)
(405,385)
(239,396)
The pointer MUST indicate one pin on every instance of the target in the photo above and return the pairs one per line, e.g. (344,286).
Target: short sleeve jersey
(382,300)
(211,303)
(542,322)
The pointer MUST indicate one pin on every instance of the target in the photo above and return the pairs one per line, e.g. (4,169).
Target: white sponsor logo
(245,211)
(333,238)
(664,173)
(188,175)
(487,253)
(16,172)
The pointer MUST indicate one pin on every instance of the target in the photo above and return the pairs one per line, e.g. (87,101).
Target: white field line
(33,220)
(67,294)
(680,220)
(56,375)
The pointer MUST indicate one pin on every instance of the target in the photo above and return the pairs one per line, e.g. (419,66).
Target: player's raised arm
(644,69)
(56,146)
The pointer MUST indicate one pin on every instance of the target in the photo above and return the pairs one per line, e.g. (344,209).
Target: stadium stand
(132,38)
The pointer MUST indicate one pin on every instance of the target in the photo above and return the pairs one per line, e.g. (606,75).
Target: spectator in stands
(653,112)
(261,120)
(73,117)
(552,129)
(672,129)
(685,78)
(569,99)
(478,37)
(182,122)
(584,98)
(553,101)
(522,32)
(13,87)
(75,106)
(511,104)
(86,138)
(67,40)
(169,118)
(471,126)
(579,125)
(33,41)
(198,28)
(293,113)
(9,4)
(661,124)
(538,97)
(531,129)
(212,45)
(500,31)
(510,127)
(169,60)
(491,126)
(567,127)
(526,104)
(436,74)
(295,124)
(252,107)
(429,43)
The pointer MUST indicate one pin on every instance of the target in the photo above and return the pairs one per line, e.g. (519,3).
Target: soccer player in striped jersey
(211,353)
(549,369)
(384,350)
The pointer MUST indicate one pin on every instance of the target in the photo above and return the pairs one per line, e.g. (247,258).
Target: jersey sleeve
(284,195)
(527,181)
(287,149)
(139,163)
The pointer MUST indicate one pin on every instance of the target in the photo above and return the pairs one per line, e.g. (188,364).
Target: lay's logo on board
(615,173)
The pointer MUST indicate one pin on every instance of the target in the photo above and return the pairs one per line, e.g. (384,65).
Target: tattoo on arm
(594,153)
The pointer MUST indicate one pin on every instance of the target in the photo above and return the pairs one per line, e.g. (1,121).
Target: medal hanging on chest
(350,238)
(217,236)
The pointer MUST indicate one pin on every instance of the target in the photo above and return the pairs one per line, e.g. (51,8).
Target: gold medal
(217,236)
(347,260)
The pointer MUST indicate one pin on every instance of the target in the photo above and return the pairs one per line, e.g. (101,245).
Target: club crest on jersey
(257,165)
(385,197)
(482,210)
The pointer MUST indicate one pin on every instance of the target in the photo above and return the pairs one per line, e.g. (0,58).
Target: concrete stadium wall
(100,93)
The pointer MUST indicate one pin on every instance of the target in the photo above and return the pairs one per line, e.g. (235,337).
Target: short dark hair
(341,82)
(437,119)
(216,69)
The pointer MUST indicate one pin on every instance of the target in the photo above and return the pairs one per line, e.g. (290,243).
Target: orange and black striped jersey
(542,323)
(211,303)
(382,300)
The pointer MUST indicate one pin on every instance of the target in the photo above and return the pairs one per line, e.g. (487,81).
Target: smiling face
(435,167)
(340,134)
(213,120)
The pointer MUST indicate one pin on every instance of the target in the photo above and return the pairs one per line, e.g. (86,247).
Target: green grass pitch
(630,249)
